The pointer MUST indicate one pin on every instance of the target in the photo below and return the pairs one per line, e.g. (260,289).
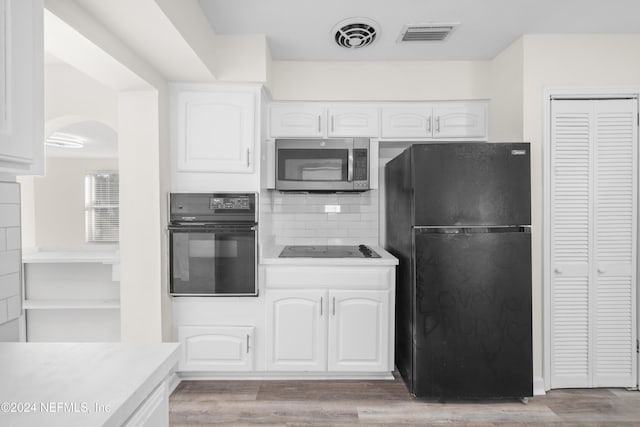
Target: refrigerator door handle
(474,229)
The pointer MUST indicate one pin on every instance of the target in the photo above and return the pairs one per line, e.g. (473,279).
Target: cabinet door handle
(334,306)
(247,343)
(319,123)
(332,127)
(321,304)
(438,124)
(429,124)
(248,157)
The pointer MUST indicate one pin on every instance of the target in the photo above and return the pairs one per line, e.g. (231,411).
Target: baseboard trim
(173,382)
(538,386)
(283,376)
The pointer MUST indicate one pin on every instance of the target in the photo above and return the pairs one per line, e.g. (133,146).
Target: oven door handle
(350,166)
(207,228)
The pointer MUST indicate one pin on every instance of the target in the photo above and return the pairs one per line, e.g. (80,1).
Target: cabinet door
(407,122)
(353,122)
(21,87)
(460,120)
(296,321)
(297,120)
(216,348)
(359,331)
(215,131)
(154,410)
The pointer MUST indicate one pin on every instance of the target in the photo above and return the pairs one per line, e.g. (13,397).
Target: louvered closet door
(593,243)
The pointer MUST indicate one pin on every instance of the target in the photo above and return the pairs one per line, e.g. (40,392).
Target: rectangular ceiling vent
(426,32)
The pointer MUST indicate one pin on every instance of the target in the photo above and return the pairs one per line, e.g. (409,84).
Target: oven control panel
(213,207)
(234,203)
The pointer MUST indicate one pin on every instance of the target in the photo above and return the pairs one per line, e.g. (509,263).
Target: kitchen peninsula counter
(85,384)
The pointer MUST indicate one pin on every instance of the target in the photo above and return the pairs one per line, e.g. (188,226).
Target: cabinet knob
(558,270)
(601,270)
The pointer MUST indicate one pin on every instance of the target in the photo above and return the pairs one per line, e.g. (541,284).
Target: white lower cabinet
(328,330)
(358,331)
(297,330)
(154,411)
(216,348)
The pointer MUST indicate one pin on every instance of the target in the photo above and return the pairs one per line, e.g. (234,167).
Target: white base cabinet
(216,348)
(154,412)
(358,330)
(297,330)
(326,328)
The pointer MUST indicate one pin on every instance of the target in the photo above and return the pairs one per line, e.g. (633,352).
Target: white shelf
(71,256)
(107,304)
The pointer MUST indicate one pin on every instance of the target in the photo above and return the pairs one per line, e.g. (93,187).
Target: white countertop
(79,384)
(107,254)
(270,257)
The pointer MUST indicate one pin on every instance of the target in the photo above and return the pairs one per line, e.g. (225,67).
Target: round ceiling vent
(355,33)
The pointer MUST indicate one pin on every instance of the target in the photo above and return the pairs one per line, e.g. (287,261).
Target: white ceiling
(300,30)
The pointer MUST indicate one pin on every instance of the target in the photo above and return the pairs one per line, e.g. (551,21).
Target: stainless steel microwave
(330,165)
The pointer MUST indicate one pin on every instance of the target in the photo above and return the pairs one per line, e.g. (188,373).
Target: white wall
(505,108)
(142,224)
(405,80)
(564,61)
(72,96)
(55,216)
(142,119)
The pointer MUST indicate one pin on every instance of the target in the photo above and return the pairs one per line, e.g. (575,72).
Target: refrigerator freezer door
(472,326)
(471,184)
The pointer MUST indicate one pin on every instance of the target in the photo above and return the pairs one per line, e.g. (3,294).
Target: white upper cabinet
(460,120)
(407,122)
(442,120)
(357,121)
(311,120)
(425,120)
(297,120)
(21,87)
(215,129)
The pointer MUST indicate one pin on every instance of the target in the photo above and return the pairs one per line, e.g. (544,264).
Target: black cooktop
(328,251)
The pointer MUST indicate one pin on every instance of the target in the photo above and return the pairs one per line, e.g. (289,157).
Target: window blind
(102,210)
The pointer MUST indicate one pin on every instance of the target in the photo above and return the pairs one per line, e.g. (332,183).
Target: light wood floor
(385,403)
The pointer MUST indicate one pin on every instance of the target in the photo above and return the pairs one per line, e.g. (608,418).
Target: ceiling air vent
(355,33)
(426,32)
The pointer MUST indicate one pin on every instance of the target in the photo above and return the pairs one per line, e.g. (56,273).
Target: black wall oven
(213,244)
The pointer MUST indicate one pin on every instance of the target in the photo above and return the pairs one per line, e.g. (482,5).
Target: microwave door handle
(350,166)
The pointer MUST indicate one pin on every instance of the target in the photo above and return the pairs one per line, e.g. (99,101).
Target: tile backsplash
(10,260)
(323,219)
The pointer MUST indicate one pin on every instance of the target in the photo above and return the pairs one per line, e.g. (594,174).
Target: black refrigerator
(458,218)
